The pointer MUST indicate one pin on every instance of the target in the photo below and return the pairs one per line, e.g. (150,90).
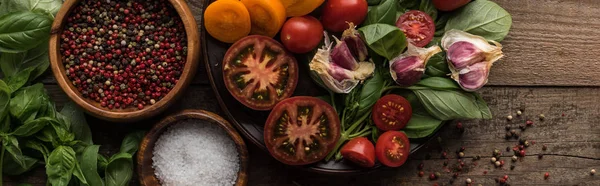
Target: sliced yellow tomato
(300,7)
(267,16)
(227,20)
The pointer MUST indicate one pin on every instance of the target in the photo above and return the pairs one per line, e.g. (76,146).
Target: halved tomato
(301,130)
(259,72)
(300,7)
(392,148)
(360,151)
(391,112)
(418,27)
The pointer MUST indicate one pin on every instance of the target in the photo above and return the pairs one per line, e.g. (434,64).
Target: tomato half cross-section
(392,148)
(259,72)
(391,112)
(360,151)
(418,27)
(301,130)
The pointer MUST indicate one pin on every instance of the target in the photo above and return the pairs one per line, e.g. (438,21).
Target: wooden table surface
(550,68)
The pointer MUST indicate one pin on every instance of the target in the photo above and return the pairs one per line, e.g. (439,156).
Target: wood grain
(572,141)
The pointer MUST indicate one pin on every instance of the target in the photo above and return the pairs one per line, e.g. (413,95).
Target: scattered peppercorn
(477,157)
(468,180)
(437,175)
(421,166)
(593,171)
(546,175)
(496,152)
(117,58)
(462,149)
(432,176)
(509,117)
(512,167)
(493,159)
(446,163)
(507,127)
(514,158)
(529,123)
(522,127)
(519,112)
(461,154)
(522,153)
(459,125)
(508,135)
(542,117)
(497,163)
(456,175)
(540,156)
(421,173)
(544,147)
(444,154)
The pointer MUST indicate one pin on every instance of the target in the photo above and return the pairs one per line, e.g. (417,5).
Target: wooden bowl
(128,114)
(145,153)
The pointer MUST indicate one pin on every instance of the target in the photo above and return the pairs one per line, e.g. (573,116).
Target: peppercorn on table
(546,92)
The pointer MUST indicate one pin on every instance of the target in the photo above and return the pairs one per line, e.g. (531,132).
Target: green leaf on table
(383,13)
(491,21)
(50,6)
(38,147)
(27,101)
(422,125)
(89,165)
(119,170)
(24,30)
(131,142)
(453,104)
(386,40)
(436,83)
(60,166)
(11,167)
(77,122)
(32,126)
(35,60)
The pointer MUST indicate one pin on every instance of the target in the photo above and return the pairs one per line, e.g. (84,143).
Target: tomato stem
(385,89)
(332,97)
(343,138)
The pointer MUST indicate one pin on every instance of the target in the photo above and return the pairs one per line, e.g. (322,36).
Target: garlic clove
(356,45)
(342,56)
(473,77)
(465,49)
(408,68)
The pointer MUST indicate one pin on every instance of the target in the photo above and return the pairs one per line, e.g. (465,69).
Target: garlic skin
(470,58)
(345,72)
(408,68)
(355,43)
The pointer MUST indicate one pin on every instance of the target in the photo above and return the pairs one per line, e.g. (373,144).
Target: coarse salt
(195,152)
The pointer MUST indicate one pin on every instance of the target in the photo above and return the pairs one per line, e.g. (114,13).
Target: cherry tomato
(259,72)
(392,148)
(360,151)
(301,130)
(417,26)
(301,34)
(449,5)
(337,12)
(391,112)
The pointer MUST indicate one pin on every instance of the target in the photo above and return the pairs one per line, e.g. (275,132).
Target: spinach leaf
(27,101)
(36,60)
(77,172)
(89,162)
(4,110)
(24,30)
(437,66)
(11,145)
(78,124)
(60,166)
(119,170)
(39,147)
(131,142)
(383,13)
(32,126)
(11,167)
(50,6)
(491,21)
(453,104)
(370,92)
(386,40)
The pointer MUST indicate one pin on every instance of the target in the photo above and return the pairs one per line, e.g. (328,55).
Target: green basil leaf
(11,167)
(4,109)
(38,147)
(383,13)
(448,104)
(427,7)
(373,2)
(78,123)
(422,125)
(386,40)
(102,162)
(48,110)
(47,134)
(437,66)
(77,172)
(119,170)
(37,59)
(11,145)
(405,5)
(27,101)
(491,21)
(60,166)
(50,6)
(24,30)
(440,25)
(32,126)
(131,142)
(436,83)
(370,92)
(89,165)
(18,80)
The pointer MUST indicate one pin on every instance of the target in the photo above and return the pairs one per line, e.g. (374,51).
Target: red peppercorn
(421,173)
(546,175)
(459,125)
(522,153)
(505,177)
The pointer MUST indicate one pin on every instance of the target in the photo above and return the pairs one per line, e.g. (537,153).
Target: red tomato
(449,5)
(391,112)
(301,34)
(301,130)
(337,12)
(417,26)
(255,81)
(360,151)
(392,148)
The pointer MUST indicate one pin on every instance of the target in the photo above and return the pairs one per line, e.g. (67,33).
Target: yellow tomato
(300,7)
(267,16)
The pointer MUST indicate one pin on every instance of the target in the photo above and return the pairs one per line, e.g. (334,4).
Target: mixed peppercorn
(124,53)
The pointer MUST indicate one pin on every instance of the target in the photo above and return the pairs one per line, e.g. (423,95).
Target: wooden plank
(551,42)
(572,140)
